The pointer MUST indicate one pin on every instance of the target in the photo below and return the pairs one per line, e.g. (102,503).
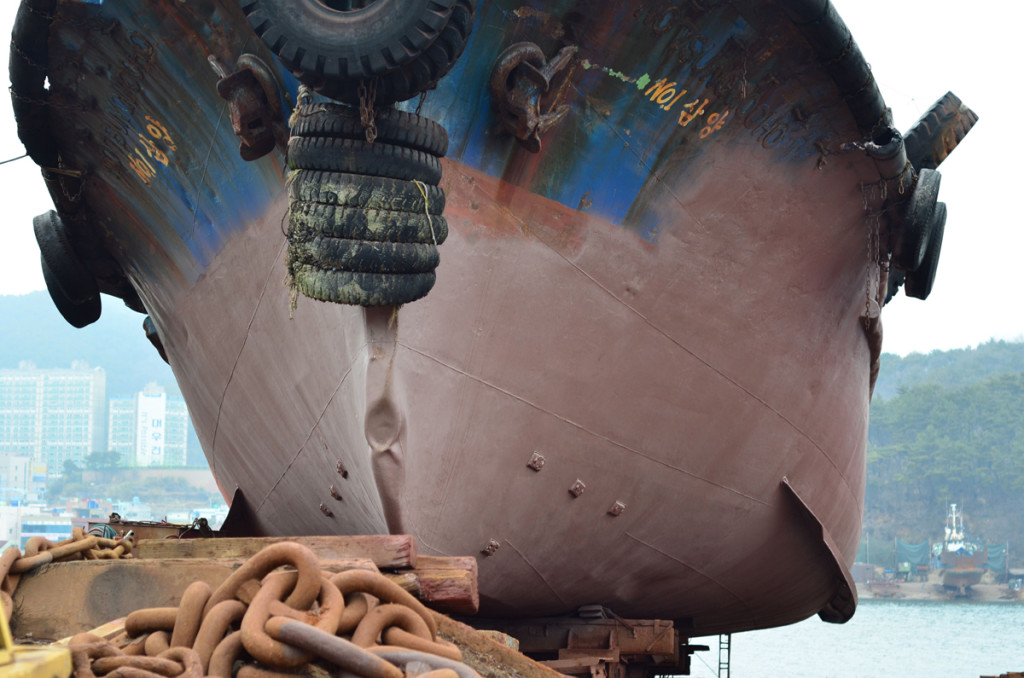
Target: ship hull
(642,377)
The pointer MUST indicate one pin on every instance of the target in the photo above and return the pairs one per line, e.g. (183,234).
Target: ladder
(724,654)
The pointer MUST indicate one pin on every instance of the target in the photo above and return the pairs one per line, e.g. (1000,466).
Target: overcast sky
(918,50)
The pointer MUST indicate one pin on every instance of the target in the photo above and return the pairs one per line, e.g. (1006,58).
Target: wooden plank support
(445,584)
(488,657)
(386,551)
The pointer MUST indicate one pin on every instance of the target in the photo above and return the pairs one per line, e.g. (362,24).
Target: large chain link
(278,613)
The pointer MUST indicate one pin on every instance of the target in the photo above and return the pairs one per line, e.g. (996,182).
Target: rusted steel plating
(283,619)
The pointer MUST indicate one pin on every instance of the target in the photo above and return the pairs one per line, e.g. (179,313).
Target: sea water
(885,638)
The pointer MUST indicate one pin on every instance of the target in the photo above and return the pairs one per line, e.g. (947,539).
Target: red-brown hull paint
(670,316)
(687,408)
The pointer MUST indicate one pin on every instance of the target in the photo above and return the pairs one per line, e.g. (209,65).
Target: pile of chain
(278,614)
(40,551)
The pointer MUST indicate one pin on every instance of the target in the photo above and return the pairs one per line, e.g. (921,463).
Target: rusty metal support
(522,75)
(253,102)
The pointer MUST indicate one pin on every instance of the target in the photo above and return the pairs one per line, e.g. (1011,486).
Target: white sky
(918,50)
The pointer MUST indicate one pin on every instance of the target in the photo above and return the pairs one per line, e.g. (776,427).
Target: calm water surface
(885,638)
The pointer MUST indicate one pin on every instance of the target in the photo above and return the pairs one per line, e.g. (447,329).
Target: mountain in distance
(951,369)
(948,427)
(34,331)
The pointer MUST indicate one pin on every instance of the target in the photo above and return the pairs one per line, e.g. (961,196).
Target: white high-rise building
(52,415)
(149,428)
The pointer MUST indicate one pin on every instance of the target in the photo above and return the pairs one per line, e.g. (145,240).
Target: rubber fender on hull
(322,42)
(912,237)
(393,126)
(77,314)
(55,246)
(385,51)
(357,156)
(72,287)
(941,129)
(417,76)
(919,283)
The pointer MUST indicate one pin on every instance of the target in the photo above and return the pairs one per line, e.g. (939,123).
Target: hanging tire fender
(77,314)
(357,156)
(314,38)
(919,283)
(393,126)
(912,238)
(67,271)
(420,74)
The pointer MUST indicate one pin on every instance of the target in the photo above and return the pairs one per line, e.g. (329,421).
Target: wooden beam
(386,551)
(488,657)
(445,584)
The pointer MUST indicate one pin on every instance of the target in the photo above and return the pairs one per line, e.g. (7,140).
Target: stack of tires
(365,216)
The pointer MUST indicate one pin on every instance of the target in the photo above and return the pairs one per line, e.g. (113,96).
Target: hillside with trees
(950,430)
(33,331)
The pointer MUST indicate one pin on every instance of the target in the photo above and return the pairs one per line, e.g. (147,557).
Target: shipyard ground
(988,591)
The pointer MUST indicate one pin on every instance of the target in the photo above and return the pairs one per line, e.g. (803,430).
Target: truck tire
(393,126)
(356,156)
(308,220)
(361,289)
(329,40)
(78,314)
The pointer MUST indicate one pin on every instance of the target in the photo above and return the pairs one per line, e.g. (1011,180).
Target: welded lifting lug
(521,76)
(252,96)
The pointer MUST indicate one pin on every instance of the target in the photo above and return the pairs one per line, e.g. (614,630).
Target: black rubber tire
(77,314)
(393,126)
(364,257)
(67,272)
(374,193)
(356,156)
(361,289)
(919,283)
(912,238)
(321,44)
(309,220)
(419,75)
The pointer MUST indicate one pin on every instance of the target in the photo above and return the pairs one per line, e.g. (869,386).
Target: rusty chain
(40,551)
(274,615)
(367,101)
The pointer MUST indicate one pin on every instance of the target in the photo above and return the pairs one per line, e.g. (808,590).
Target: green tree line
(952,431)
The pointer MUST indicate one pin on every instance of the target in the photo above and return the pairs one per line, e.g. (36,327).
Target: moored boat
(631,364)
(962,561)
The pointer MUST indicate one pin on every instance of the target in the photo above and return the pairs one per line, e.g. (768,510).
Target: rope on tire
(278,613)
